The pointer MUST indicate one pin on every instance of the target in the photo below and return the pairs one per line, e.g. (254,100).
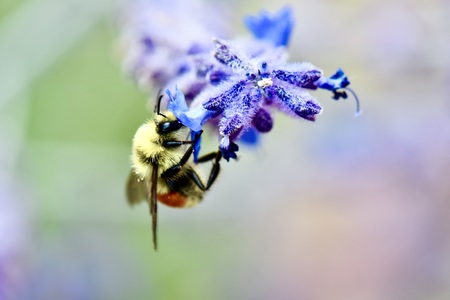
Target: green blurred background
(343,208)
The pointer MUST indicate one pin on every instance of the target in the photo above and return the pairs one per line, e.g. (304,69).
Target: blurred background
(343,208)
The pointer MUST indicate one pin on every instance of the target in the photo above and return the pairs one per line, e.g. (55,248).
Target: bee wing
(152,186)
(136,189)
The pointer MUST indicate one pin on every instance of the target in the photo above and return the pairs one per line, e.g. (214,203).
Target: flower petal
(177,103)
(273,28)
(194,118)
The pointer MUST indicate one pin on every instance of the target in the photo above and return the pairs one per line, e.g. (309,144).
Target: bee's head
(167,123)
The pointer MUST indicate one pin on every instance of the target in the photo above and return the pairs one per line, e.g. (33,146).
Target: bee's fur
(149,149)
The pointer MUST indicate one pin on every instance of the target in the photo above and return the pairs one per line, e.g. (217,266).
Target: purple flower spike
(234,85)
(273,28)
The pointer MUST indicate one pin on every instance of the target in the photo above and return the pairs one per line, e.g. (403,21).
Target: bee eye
(169,126)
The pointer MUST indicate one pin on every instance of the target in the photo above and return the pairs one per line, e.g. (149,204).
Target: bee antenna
(358,108)
(158,106)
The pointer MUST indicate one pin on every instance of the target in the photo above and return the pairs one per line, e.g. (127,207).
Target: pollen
(265,82)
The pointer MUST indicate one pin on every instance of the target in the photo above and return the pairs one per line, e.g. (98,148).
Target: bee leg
(196,179)
(179,143)
(176,168)
(214,170)
(207,157)
(176,143)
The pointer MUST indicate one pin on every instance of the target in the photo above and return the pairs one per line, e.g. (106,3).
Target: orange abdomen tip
(173,199)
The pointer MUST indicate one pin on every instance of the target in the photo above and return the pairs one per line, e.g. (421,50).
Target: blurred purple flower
(159,37)
(274,28)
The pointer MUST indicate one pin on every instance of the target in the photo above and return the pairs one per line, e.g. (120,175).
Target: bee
(161,169)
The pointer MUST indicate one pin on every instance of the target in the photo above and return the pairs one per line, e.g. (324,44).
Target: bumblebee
(161,166)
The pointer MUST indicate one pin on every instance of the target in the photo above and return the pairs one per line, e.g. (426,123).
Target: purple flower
(274,28)
(245,100)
